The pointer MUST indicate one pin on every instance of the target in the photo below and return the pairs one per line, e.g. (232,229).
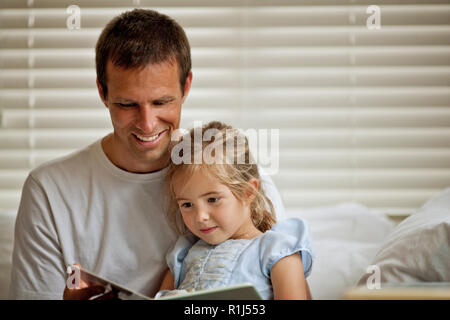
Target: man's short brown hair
(141,37)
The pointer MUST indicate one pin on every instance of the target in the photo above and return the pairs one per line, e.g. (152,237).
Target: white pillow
(418,249)
(345,238)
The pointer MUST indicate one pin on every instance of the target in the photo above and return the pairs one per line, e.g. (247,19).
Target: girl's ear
(252,189)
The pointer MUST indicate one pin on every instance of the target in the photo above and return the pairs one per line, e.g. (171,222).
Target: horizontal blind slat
(123,3)
(427,158)
(288,138)
(380,117)
(256,98)
(229,17)
(402,158)
(248,58)
(363,179)
(365,138)
(233,78)
(318,179)
(372,198)
(236,37)
(204,3)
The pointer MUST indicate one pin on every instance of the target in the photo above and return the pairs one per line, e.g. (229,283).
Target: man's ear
(100,92)
(187,86)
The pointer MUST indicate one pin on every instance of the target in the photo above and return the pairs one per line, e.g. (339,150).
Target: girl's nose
(202,215)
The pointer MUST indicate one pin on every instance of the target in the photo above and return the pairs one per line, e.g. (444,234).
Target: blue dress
(197,265)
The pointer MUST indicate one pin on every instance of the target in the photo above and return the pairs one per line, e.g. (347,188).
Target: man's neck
(119,158)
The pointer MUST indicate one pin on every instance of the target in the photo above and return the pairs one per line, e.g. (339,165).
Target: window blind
(363,114)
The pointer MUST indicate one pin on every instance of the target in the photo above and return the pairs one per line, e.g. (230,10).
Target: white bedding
(418,250)
(345,239)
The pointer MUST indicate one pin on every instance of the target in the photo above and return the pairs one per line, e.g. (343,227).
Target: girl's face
(211,211)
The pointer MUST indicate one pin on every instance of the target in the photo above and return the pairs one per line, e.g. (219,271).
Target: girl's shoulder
(291,226)
(290,230)
(285,238)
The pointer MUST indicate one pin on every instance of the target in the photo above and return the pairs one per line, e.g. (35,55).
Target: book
(242,291)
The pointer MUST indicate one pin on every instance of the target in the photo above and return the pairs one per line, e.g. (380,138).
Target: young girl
(229,235)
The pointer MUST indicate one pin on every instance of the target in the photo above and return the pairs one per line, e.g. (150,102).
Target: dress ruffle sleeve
(286,238)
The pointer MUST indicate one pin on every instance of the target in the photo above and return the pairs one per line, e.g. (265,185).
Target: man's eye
(159,103)
(126,105)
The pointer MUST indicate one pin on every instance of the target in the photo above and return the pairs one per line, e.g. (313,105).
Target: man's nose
(146,121)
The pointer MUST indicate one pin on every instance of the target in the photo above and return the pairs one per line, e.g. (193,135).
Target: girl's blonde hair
(232,173)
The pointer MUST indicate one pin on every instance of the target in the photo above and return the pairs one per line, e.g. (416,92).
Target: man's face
(145,108)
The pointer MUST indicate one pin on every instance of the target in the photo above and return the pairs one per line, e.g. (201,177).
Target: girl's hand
(168,282)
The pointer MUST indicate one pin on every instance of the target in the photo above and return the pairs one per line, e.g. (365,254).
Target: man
(102,207)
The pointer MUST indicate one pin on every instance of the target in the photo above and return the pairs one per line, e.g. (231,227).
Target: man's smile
(143,138)
(148,140)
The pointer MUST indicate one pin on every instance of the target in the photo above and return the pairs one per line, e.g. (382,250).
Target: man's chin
(152,159)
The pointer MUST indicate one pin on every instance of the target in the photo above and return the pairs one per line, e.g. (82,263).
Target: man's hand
(83,293)
(87,291)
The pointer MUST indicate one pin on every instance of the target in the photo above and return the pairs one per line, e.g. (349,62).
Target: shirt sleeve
(272,193)
(286,238)
(176,255)
(37,264)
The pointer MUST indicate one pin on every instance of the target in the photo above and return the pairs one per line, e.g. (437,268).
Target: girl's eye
(186,205)
(213,200)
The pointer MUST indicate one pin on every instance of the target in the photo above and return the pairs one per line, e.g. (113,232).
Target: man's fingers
(82,294)
(86,291)
(107,296)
